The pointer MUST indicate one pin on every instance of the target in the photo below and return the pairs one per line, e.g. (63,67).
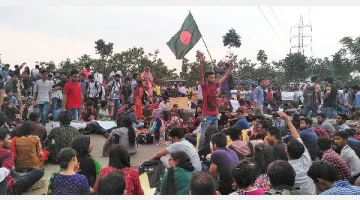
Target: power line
(278,22)
(271,27)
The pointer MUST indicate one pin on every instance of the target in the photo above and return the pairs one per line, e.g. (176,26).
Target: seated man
(226,120)
(39,129)
(179,143)
(104,114)
(241,122)
(202,183)
(136,123)
(10,181)
(327,180)
(89,113)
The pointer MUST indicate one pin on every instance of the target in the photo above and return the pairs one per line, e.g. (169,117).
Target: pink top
(256,191)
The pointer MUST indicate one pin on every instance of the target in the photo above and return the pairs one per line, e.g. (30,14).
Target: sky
(30,34)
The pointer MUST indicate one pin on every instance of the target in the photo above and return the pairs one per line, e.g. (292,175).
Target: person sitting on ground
(282,179)
(158,127)
(176,180)
(222,159)
(139,124)
(125,134)
(321,120)
(104,114)
(341,122)
(10,181)
(89,167)
(327,180)
(244,174)
(226,120)
(89,113)
(24,110)
(241,148)
(202,183)
(39,129)
(274,138)
(60,137)
(12,99)
(299,158)
(329,155)
(68,181)
(174,120)
(179,143)
(261,130)
(243,106)
(250,115)
(13,115)
(27,149)
(119,160)
(205,151)
(309,137)
(264,154)
(352,142)
(348,154)
(165,104)
(112,184)
(241,122)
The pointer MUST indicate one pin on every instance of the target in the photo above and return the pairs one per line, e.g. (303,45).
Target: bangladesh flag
(185,39)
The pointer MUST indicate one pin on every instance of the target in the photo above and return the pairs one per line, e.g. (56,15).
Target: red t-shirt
(87,73)
(209,93)
(73,92)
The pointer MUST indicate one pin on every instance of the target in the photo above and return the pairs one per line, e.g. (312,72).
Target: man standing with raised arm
(209,87)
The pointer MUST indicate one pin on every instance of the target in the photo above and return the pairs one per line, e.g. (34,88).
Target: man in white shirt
(299,158)
(93,91)
(200,97)
(98,76)
(112,74)
(182,90)
(347,153)
(165,104)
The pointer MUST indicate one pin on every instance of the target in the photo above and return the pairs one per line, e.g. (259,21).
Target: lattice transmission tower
(301,38)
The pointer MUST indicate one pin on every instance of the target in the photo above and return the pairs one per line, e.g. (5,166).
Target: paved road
(145,152)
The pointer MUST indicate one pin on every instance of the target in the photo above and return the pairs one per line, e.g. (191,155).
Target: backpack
(144,138)
(309,96)
(26,151)
(155,170)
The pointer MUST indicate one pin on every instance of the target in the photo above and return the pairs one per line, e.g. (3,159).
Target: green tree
(262,57)
(295,66)
(232,39)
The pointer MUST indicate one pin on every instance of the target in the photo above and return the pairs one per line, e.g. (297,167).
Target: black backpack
(144,138)
(155,170)
(309,95)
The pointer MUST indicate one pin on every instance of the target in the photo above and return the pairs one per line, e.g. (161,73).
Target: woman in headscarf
(176,180)
(149,86)
(158,127)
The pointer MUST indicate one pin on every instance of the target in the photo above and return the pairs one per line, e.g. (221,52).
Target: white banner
(287,96)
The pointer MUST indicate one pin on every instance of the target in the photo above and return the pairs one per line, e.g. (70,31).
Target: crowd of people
(223,149)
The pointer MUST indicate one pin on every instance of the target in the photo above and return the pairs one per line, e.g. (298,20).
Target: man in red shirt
(209,87)
(86,72)
(72,97)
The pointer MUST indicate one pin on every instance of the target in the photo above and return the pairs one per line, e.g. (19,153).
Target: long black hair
(127,123)
(65,156)
(26,128)
(210,131)
(184,162)
(263,156)
(119,157)
(81,145)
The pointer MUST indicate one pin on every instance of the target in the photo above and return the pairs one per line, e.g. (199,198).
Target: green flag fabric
(186,38)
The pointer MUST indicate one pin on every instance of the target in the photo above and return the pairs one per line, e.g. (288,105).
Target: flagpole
(202,38)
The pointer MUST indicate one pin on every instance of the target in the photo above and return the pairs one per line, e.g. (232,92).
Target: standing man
(86,72)
(115,90)
(133,86)
(42,95)
(330,99)
(209,87)
(99,76)
(93,91)
(258,95)
(311,95)
(72,97)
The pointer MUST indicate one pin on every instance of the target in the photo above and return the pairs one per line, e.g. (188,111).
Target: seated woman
(89,167)
(26,148)
(68,181)
(174,120)
(244,174)
(126,134)
(119,159)
(158,127)
(176,180)
(112,184)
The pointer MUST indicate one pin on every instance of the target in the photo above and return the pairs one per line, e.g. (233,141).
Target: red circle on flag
(185,37)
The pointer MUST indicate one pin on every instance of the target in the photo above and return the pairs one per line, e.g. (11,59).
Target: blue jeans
(56,104)
(139,126)
(43,109)
(330,112)
(25,181)
(75,113)
(210,120)
(313,109)
(116,106)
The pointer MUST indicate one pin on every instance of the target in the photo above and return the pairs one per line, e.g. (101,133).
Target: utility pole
(304,32)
